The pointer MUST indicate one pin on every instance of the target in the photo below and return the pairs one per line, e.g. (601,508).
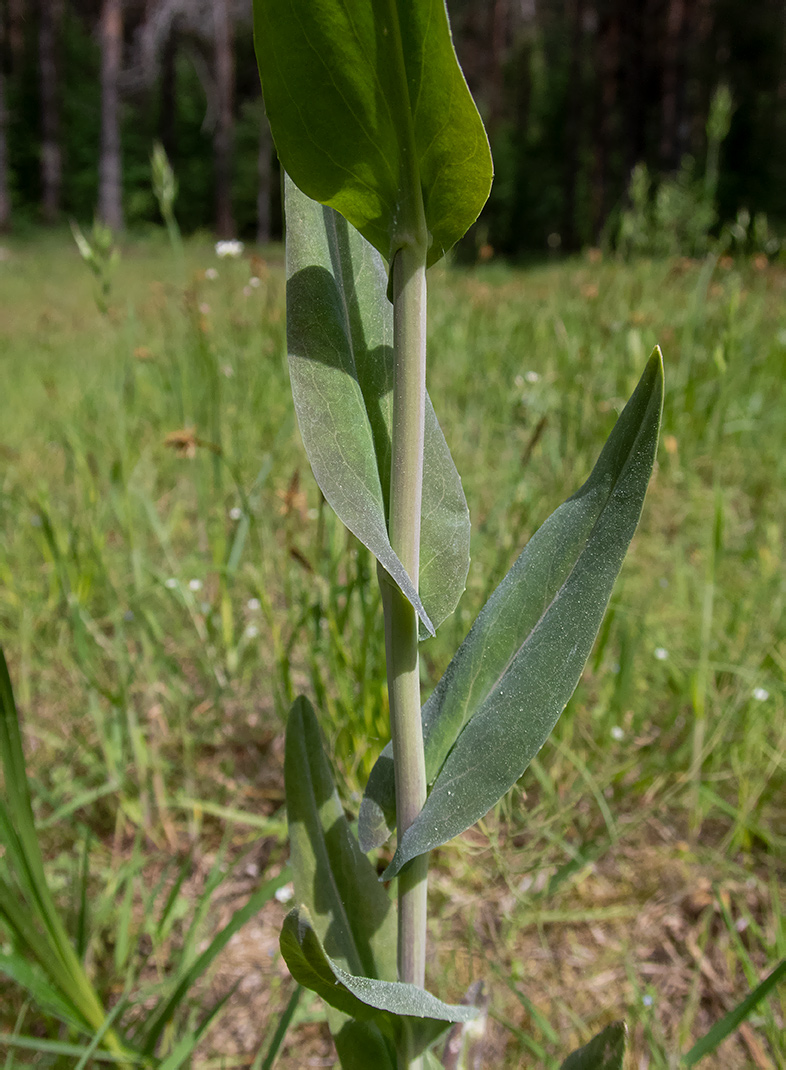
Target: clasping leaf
(340,343)
(390,1005)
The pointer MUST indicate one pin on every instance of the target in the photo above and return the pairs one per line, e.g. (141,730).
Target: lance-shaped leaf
(340,342)
(511,678)
(606,1051)
(370,113)
(351,911)
(390,1005)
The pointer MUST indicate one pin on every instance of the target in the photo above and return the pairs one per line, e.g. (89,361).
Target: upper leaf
(351,911)
(606,1051)
(371,115)
(386,1003)
(504,690)
(340,342)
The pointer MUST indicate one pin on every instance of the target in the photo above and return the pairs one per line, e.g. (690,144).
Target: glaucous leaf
(504,690)
(340,342)
(606,1051)
(370,114)
(387,1003)
(351,911)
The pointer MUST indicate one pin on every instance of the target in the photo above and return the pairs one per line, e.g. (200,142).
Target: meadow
(170,580)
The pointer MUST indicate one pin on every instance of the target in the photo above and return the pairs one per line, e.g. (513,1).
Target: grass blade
(164,1012)
(280,1033)
(734,1018)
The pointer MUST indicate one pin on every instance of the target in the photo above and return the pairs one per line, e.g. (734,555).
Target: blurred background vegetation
(576,94)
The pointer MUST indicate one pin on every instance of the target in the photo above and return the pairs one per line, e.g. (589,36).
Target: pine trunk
(263,188)
(675,17)
(50,18)
(5,196)
(223,135)
(110,174)
(166,117)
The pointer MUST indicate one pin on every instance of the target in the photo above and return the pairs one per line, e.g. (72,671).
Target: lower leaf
(606,1051)
(390,1005)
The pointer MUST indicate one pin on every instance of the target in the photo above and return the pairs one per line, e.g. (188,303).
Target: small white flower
(254,282)
(204,308)
(227,370)
(254,604)
(761,694)
(211,274)
(285,893)
(229,249)
(313,514)
(171,583)
(235,512)
(661,653)
(204,608)
(247,291)
(617,733)
(532,377)
(251,631)
(647,1000)
(195,585)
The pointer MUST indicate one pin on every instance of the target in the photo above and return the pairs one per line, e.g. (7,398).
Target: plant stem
(401,624)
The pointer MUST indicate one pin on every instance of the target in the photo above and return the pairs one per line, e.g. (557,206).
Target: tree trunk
(50,20)
(607,64)
(110,175)
(675,18)
(223,134)
(166,117)
(17,17)
(263,189)
(573,125)
(5,196)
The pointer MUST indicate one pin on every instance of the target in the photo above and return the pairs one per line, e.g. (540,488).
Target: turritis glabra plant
(387,166)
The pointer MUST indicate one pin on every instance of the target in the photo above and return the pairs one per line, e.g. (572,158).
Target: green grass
(160,611)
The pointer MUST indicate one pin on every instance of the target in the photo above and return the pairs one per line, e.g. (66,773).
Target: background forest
(574,94)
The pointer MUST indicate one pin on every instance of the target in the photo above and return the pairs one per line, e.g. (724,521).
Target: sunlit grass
(169,580)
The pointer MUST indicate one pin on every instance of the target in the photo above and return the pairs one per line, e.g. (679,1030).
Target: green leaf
(391,1005)
(606,1051)
(511,678)
(340,342)
(48,998)
(360,1045)
(351,911)
(370,114)
(75,1051)
(731,1021)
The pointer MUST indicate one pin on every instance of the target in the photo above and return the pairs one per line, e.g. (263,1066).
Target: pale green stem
(401,623)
